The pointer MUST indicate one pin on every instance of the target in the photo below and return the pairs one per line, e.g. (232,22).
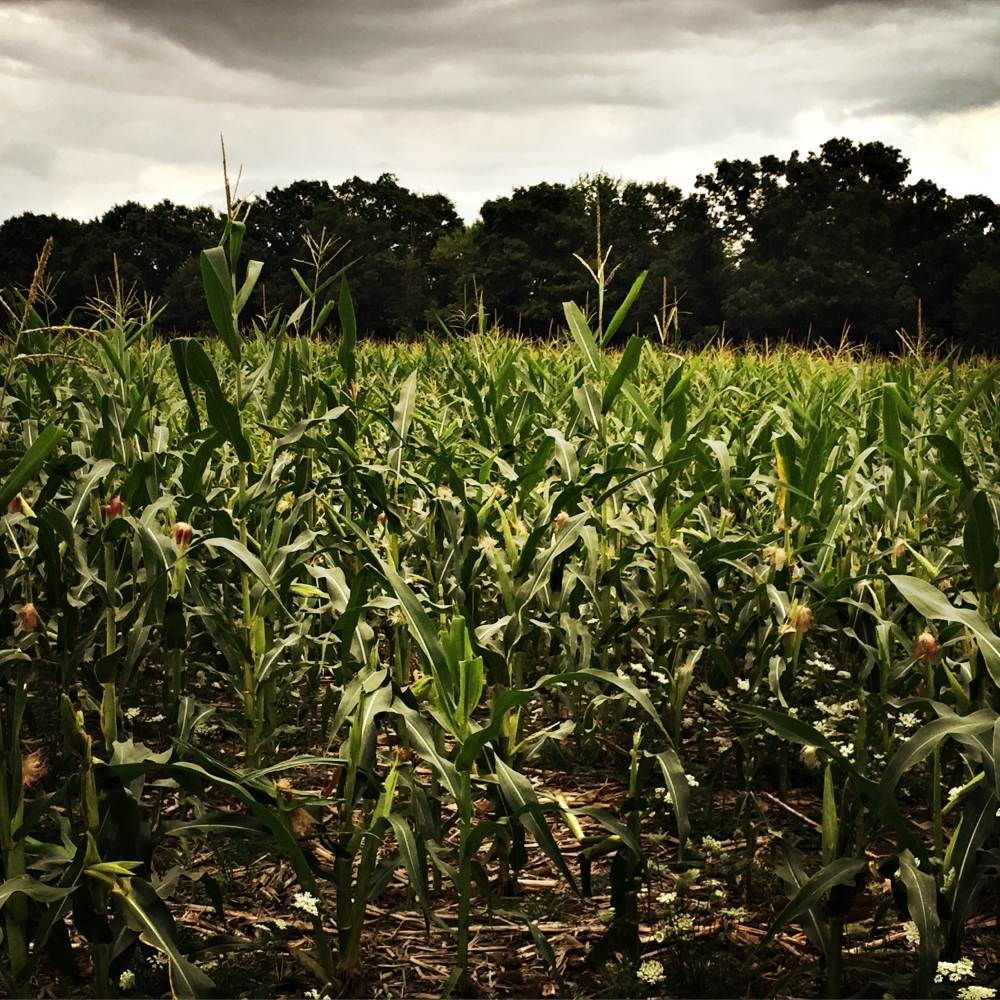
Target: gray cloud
(111,99)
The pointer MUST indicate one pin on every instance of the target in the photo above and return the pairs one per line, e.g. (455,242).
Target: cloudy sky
(107,100)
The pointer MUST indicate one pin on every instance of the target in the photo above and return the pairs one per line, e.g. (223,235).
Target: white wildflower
(954,971)
(743,683)
(911,932)
(306,902)
(131,713)
(976,993)
(126,981)
(651,972)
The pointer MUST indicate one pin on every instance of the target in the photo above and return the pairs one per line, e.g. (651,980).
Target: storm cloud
(105,100)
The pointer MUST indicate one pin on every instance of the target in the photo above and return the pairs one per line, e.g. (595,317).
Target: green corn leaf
(348,332)
(973,392)
(142,761)
(891,426)
(797,731)
(322,316)
(218,285)
(923,742)
(979,820)
(401,419)
(680,793)
(994,761)
(790,871)
(622,311)
(236,231)
(254,268)
(316,760)
(423,741)
(589,403)
(222,414)
(219,823)
(252,563)
(613,825)
(980,542)
(97,474)
(831,824)
(40,892)
(471,682)
(922,904)
(626,368)
(843,871)
(414,861)
(303,284)
(634,396)
(566,539)
(522,801)
(786,459)
(30,464)
(699,585)
(423,631)
(475,743)
(952,462)
(147,914)
(178,351)
(580,331)
(295,316)
(612,680)
(565,454)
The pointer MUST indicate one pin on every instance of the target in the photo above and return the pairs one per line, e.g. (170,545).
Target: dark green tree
(814,243)
(524,251)
(77,256)
(156,245)
(391,233)
(654,227)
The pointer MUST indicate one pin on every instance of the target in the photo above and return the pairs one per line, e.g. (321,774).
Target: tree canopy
(839,243)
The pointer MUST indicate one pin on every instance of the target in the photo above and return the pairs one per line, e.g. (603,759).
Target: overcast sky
(106,100)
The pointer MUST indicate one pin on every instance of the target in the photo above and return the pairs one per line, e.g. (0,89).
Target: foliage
(836,245)
(399,579)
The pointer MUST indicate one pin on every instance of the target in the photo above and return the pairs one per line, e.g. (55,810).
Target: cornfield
(630,671)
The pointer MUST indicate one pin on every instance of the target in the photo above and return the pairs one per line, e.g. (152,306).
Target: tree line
(837,243)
